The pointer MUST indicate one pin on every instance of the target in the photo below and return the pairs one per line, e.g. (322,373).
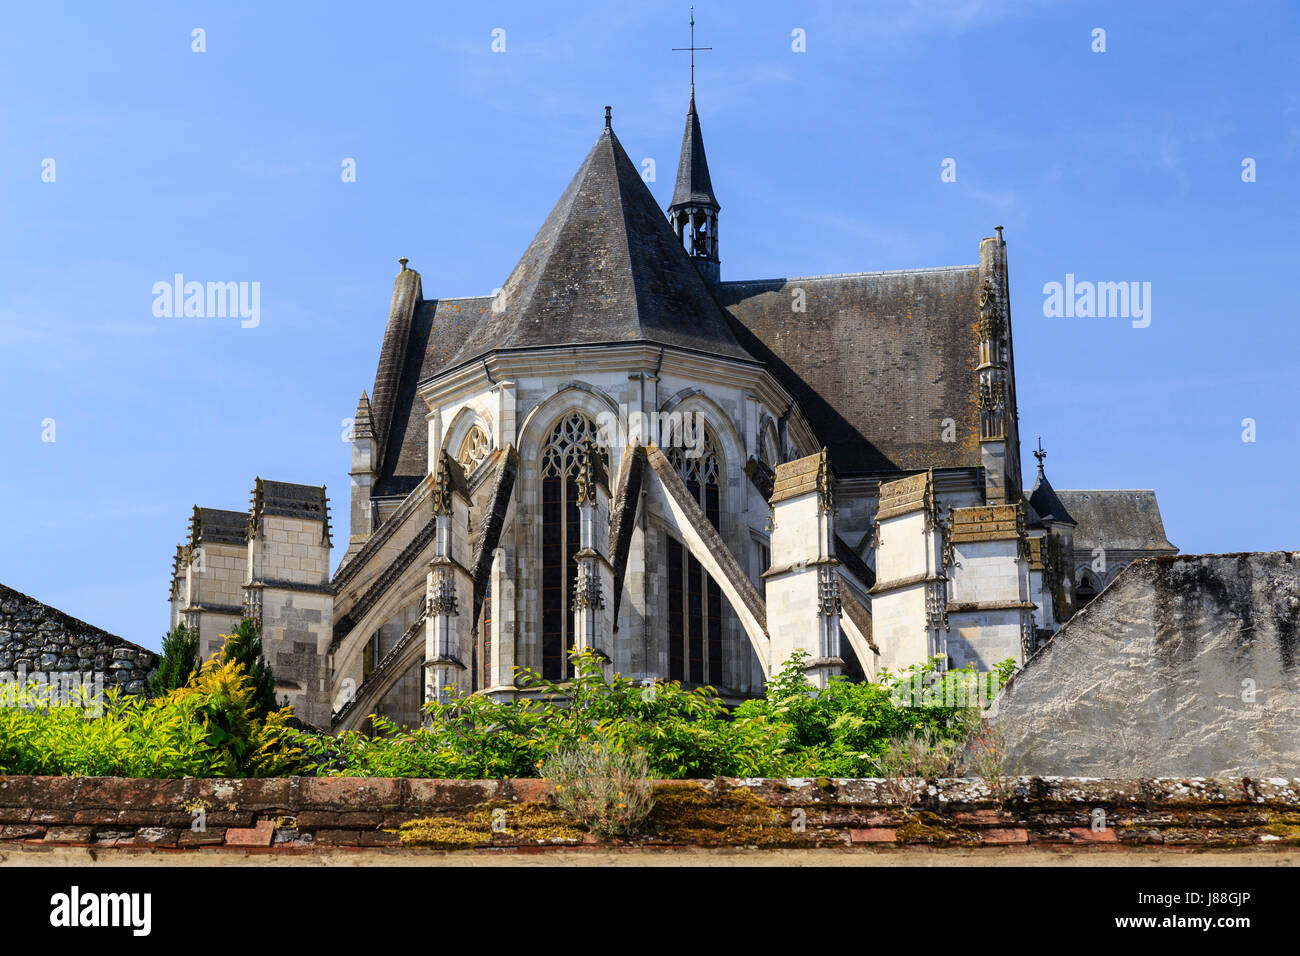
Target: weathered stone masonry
(38,638)
(299,813)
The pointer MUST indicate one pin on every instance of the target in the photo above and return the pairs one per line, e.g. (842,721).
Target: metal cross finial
(692,48)
(1040,454)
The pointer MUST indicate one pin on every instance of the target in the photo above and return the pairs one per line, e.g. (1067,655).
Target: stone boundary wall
(36,638)
(298,813)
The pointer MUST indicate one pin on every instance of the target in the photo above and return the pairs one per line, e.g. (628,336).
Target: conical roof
(605,267)
(1045,502)
(694,187)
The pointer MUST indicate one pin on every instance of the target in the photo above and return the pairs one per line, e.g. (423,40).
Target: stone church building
(693,477)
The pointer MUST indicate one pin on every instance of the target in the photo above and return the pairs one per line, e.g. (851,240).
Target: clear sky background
(225,166)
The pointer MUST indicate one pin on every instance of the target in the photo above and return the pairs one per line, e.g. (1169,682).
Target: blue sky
(225,166)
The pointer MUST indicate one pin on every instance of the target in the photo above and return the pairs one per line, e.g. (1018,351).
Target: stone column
(593,625)
(449,588)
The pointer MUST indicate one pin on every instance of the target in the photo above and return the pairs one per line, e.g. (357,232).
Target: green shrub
(208,728)
(218,724)
(682,733)
(846,729)
(243,646)
(180,661)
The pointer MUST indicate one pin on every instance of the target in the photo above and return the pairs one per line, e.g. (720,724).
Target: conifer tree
(244,645)
(180,659)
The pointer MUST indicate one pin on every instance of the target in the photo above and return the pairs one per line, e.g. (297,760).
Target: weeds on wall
(606,789)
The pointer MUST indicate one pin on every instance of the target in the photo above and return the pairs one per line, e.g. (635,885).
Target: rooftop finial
(608,120)
(1040,454)
(403,261)
(999,229)
(692,48)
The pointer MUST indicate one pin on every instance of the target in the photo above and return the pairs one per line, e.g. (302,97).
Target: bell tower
(694,209)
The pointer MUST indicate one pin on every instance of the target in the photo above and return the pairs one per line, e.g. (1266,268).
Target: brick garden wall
(298,813)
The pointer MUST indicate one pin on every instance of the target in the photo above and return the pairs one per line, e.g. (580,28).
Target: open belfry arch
(691,477)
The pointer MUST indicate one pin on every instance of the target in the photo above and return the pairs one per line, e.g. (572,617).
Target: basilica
(689,476)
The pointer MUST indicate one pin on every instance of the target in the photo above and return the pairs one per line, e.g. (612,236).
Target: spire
(694,186)
(1043,498)
(694,208)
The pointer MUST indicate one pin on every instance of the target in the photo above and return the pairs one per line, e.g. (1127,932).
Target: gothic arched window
(694,600)
(473,449)
(561,457)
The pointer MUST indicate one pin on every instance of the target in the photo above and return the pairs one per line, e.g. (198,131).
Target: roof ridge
(851,275)
(1067,490)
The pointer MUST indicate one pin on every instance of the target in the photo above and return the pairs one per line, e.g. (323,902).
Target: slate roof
(876,361)
(605,267)
(1046,503)
(438,329)
(694,187)
(1119,520)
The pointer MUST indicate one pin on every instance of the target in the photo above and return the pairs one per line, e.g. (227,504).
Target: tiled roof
(1046,503)
(438,328)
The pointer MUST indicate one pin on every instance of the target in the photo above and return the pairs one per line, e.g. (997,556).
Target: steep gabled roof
(438,328)
(694,187)
(881,363)
(605,267)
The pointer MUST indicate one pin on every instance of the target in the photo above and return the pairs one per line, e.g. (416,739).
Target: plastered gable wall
(1186,666)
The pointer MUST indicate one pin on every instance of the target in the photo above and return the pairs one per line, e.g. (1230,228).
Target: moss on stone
(1281,825)
(687,813)
(533,822)
(927,827)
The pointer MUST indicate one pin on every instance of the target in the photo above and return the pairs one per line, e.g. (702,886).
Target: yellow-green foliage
(208,728)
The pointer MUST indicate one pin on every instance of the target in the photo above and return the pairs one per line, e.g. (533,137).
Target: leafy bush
(846,729)
(208,728)
(682,733)
(605,788)
(218,724)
